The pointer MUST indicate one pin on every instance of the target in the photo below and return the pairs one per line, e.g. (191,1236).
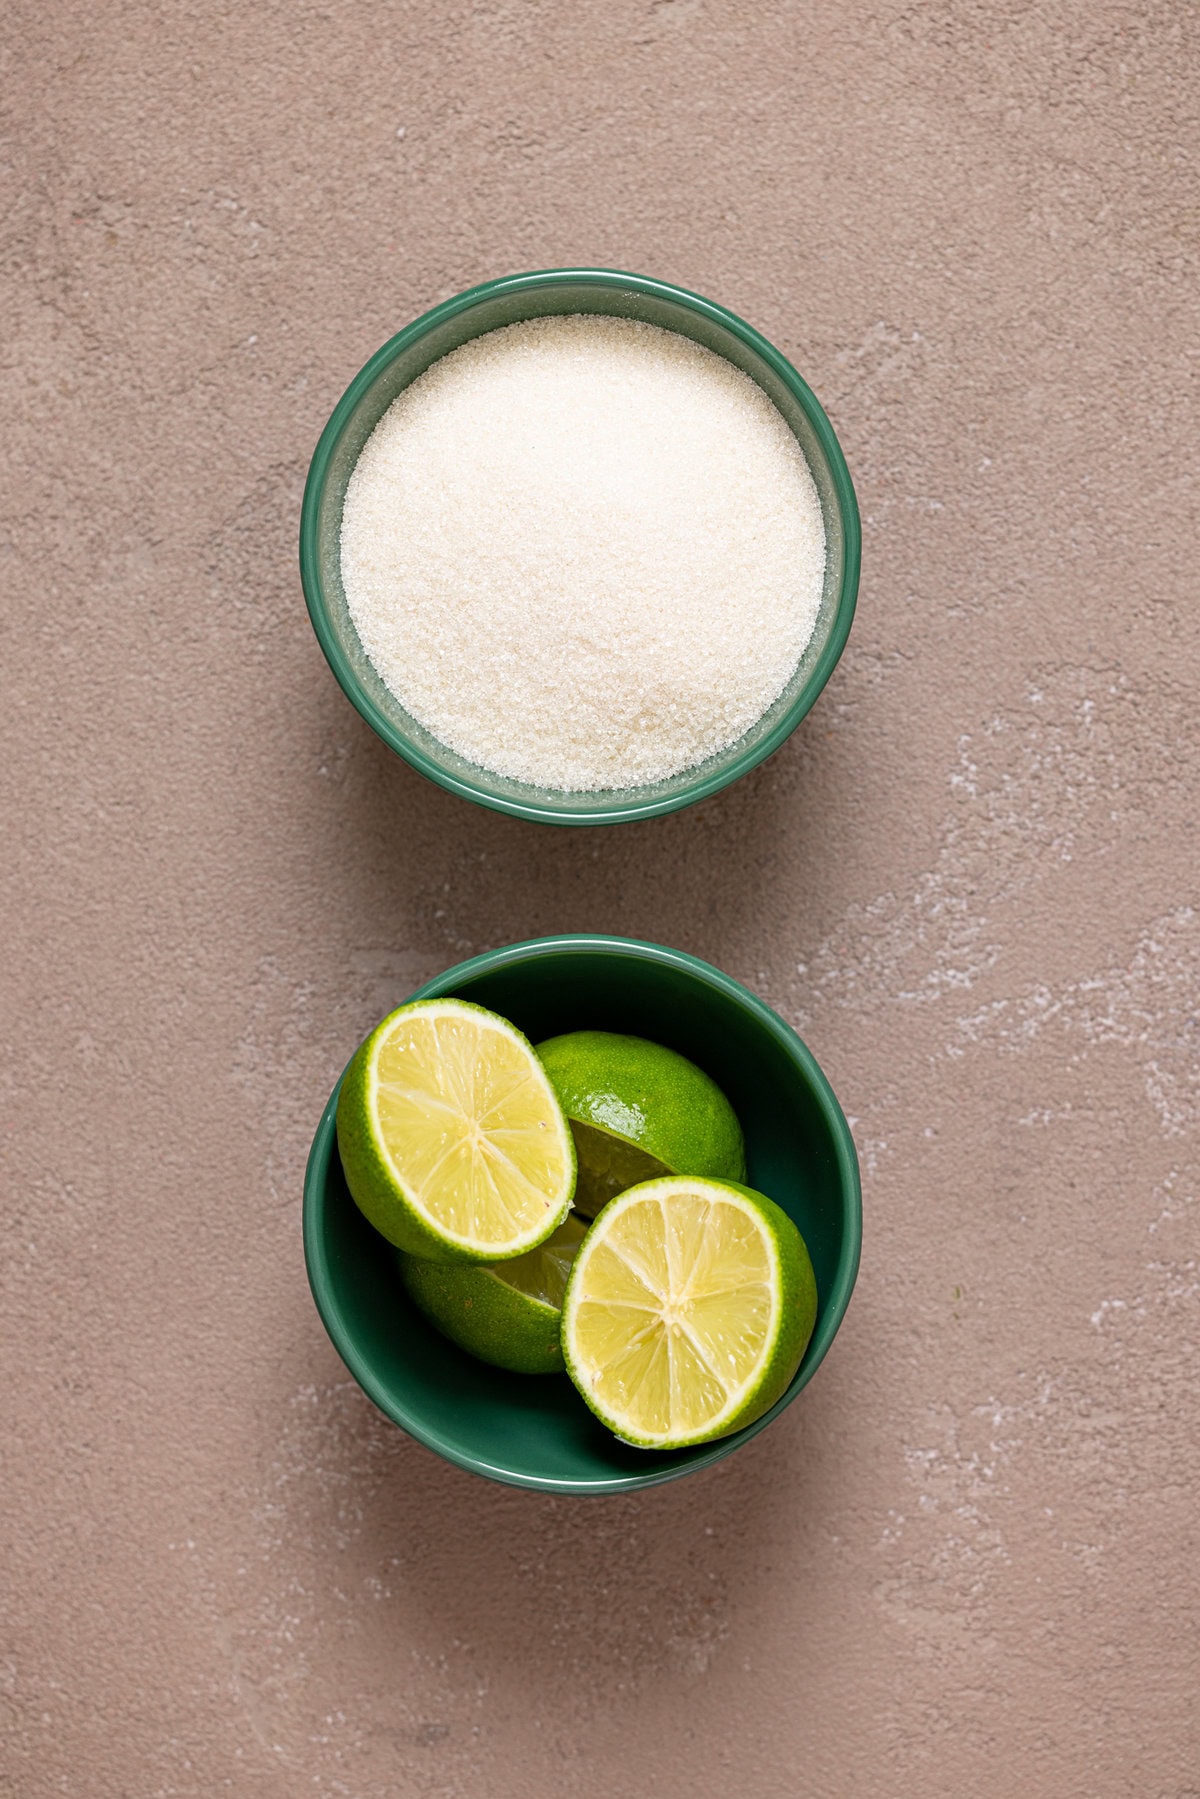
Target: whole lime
(638,1111)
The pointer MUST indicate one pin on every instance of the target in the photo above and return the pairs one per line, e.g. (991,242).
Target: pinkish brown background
(965,1563)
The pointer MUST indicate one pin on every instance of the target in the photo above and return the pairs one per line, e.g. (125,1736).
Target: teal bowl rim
(834,1304)
(545,811)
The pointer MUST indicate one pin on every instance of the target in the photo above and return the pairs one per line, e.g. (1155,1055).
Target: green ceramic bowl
(505,302)
(534,1430)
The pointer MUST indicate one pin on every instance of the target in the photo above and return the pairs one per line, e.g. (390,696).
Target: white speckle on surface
(1144,1004)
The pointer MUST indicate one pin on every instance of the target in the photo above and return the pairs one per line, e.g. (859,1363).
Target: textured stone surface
(966,1561)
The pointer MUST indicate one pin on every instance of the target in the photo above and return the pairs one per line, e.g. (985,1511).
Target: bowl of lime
(583,1215)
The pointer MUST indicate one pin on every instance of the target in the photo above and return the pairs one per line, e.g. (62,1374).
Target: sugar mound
(584,552)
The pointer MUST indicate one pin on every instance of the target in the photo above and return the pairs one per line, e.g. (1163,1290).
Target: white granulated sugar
(584,552)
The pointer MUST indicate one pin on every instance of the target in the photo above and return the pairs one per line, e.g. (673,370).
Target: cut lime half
(687,1312)
(453,1143)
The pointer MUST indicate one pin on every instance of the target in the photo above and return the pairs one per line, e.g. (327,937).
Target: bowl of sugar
(580,546)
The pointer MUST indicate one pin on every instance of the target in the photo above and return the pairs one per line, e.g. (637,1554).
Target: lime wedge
(687,1312)
(452,1141)
(508,1314)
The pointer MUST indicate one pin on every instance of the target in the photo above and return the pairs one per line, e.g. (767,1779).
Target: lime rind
(508,1314)
(483,1316)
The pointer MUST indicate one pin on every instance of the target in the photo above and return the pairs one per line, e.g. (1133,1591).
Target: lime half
(688,1310)
(509,1314)
(639,1111)
(452,1141)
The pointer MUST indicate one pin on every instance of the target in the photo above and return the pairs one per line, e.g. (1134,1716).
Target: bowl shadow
(544,1592)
